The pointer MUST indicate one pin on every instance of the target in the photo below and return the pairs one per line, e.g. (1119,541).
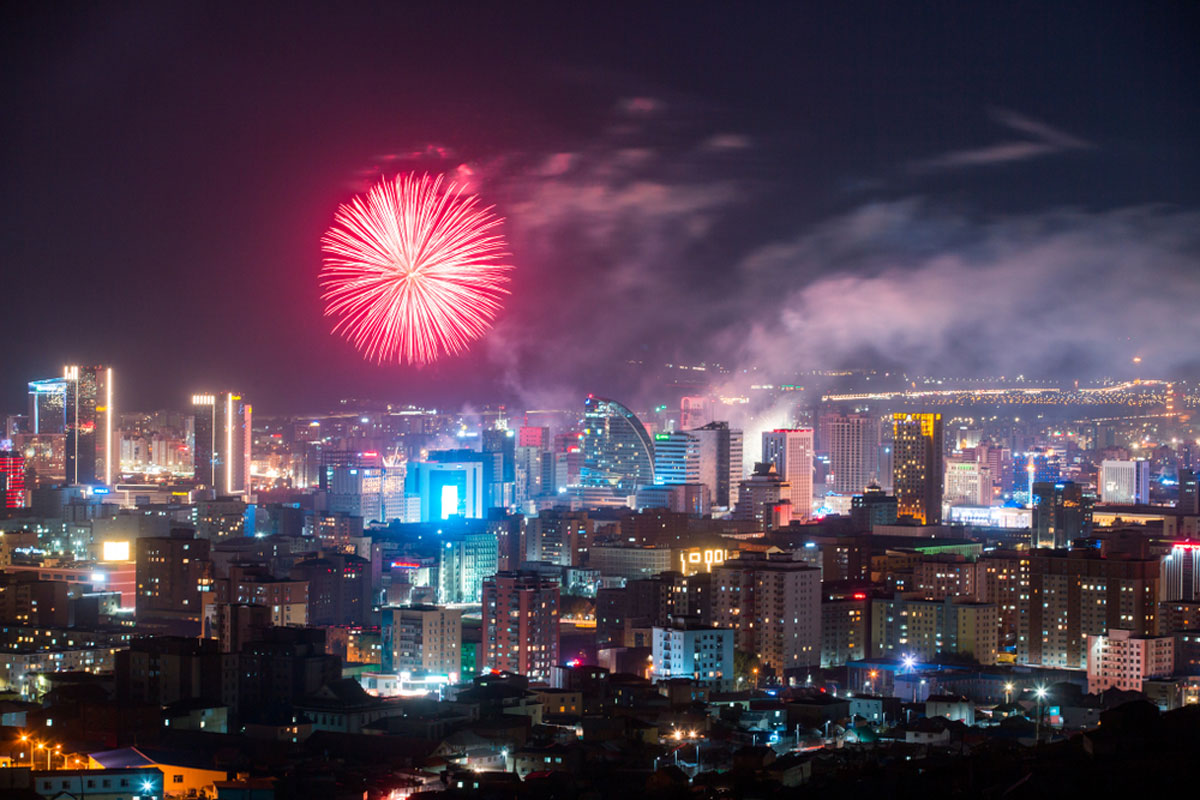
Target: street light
(1040,694)
(1008,687)
(910,661)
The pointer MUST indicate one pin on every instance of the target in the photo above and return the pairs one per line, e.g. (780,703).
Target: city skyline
(458,400)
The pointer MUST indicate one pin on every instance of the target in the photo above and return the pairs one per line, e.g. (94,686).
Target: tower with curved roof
(618,452)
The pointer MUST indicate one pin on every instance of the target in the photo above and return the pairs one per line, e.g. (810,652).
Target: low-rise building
(131,783)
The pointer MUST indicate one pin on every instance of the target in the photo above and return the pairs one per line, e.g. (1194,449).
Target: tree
(746,667)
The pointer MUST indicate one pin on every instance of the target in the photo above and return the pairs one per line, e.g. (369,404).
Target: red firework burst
(412,270)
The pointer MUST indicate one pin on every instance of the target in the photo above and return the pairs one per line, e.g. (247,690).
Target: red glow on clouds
(412,270)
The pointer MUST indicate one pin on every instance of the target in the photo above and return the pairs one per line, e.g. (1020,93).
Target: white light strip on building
(108,429)
(228,443)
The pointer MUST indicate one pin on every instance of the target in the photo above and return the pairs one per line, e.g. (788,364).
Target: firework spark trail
(412,270)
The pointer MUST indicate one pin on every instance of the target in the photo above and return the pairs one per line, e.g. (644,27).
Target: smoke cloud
(644,249)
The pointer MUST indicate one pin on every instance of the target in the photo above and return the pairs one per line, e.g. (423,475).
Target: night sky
(967,188)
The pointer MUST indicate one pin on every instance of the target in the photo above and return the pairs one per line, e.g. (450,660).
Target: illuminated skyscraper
(1180,572)
(90,455)
(357,491)
(764,498)
(853,445)
(720,461)
(498,449)
(447,488)
(520,624)
(48,406)
(1061,512)
(12,479)
(558,536)
(221,447)
(529,472)
(917,466)
(617,450)
(534,436)
(791,451)
(967,483)
(1125,482)
(676,459)
(464,561)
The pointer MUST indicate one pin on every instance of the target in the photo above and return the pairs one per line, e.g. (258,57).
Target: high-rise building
(1078,593)
(1003,579)
(853,446)
(967,483)
(1062,512)
(845,614)
(374,493)
(905,625)
(529,473)
(286,600)
(1125,482)
(222,434)
(464,561)
(520,624)
(676,459)
(1189,493)
(1040,466)
(557,536)
(700,652)
(339,589)
(1181,572)
(499,467)
(12,479)
(720,462)
(617,451)
(938,576)
(506,528)
(1122,660)
(534,436)
(621,560)
(764,498)
(172,573)
(447,488)
(425,640)
(236,624)
(162,670)
(917,471)
(774,606)
(48,406)
(91,451)
(791,451)
(873,507)
(357,491)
